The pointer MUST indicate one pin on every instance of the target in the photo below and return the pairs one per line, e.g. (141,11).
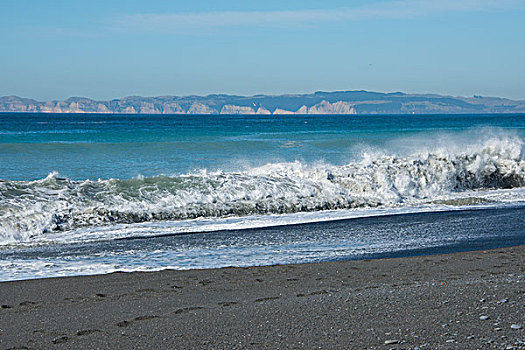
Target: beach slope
(463,300)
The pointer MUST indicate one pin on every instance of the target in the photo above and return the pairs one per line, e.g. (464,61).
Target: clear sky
(108,49)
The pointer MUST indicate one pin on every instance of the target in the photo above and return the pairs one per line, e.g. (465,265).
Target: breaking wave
(30,208)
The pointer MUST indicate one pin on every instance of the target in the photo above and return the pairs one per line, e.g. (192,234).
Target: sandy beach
(468,300)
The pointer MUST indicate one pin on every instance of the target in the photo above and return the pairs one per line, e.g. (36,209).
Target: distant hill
(339,102)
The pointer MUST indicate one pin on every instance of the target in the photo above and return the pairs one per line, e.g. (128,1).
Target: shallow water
(370,237)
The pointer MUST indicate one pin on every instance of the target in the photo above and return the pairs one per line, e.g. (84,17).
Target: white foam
(35,211)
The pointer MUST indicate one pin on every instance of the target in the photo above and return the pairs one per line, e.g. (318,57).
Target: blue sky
(109,49)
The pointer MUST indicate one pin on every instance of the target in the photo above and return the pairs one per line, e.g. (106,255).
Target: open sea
(96,193)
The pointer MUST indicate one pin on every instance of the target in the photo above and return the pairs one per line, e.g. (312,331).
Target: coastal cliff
(341,102)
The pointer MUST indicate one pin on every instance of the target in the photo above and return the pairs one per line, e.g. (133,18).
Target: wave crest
(29,208)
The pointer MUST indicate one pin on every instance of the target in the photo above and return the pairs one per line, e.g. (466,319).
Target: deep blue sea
(97,193)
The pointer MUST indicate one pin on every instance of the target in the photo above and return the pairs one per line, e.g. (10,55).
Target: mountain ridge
(320,102)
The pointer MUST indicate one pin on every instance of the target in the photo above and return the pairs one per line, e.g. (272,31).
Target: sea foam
(55,203)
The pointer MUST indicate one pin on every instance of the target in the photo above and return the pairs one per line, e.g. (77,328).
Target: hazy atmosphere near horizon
(110,49)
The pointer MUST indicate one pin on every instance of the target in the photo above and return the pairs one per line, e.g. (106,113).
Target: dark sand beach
(467,300)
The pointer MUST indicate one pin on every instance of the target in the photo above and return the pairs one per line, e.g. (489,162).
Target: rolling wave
(30,208)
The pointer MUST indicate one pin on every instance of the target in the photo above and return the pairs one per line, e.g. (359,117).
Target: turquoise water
(78,191)
(80,146)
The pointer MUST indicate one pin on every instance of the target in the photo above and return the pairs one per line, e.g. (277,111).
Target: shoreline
(426,301)
(387,236)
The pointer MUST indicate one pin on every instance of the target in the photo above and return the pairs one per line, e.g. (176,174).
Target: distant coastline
(339,102)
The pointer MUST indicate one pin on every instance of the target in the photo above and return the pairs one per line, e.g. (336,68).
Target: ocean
(97,193)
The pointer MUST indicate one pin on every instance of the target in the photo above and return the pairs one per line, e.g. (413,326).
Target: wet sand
(468,300)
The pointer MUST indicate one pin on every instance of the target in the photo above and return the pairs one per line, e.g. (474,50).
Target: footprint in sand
(123,324)
(145,317)
(28,304)
(320,292)
(206,282)
(187,309)
(227,303)
(60,340)
(127,323)
(88,332)
(266,299)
